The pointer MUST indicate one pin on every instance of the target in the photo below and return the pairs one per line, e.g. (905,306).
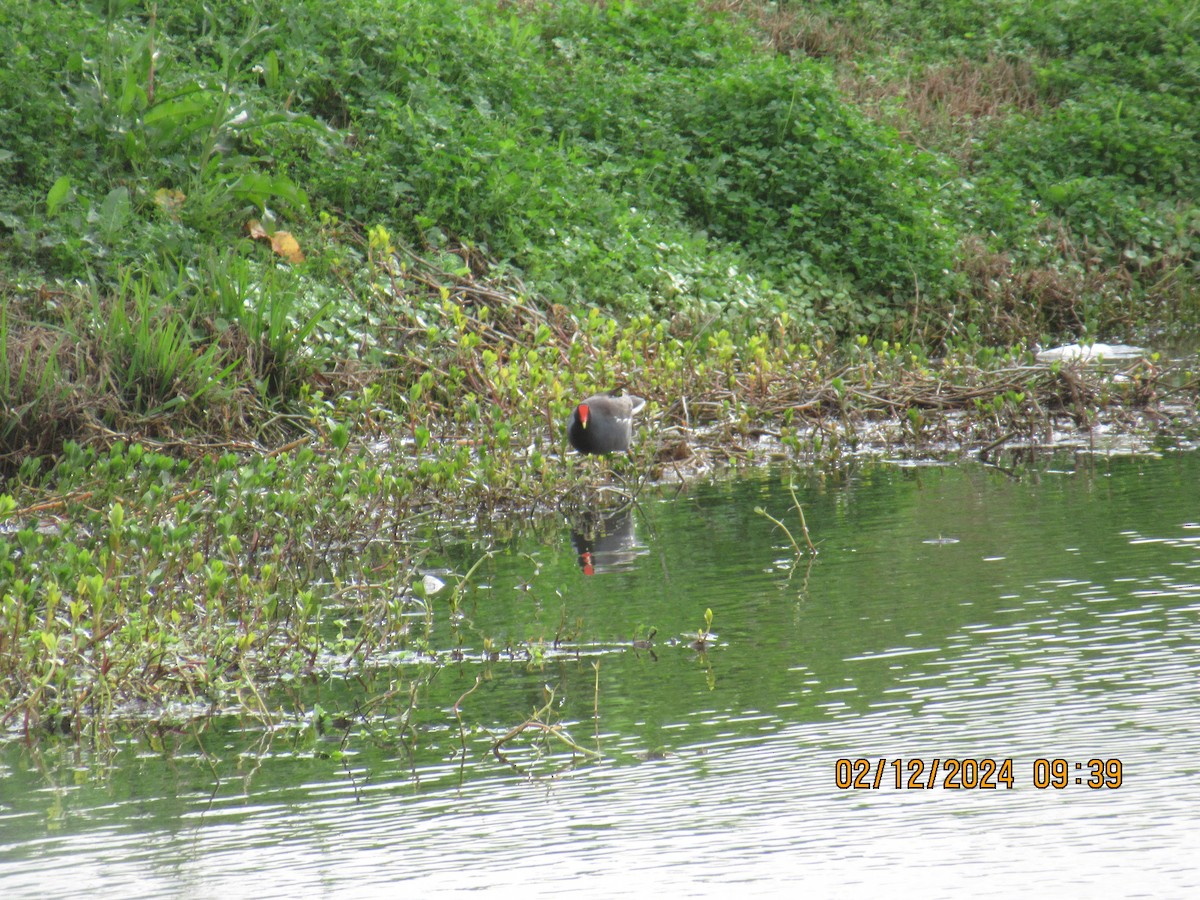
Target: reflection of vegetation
(390,713)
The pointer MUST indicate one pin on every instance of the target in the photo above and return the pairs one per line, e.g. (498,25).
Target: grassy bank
(286,287)
(189,195)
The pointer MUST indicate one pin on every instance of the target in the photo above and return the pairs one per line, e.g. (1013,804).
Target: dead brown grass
(967,89)
(794,29)
(947,107)
(42,405)
(957,99)
(1017,301)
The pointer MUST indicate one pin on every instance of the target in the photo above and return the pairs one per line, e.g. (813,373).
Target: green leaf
(58,193)
(190,108)
(257,188)
(115,212)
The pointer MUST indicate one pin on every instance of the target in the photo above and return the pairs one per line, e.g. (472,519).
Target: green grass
(1024,172)
(640,157)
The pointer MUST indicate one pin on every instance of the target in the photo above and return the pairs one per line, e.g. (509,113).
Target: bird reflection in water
(605,541)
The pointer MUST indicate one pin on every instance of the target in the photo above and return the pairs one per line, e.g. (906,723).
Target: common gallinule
(603,423)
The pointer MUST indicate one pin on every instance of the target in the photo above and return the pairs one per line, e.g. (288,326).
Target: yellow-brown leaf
(287,246)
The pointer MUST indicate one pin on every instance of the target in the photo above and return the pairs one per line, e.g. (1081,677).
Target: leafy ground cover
(283,286)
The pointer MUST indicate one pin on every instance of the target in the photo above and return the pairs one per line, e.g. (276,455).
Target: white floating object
(432,585)
(1089,352)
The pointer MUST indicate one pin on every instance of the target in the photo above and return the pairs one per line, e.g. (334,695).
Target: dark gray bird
(603,423)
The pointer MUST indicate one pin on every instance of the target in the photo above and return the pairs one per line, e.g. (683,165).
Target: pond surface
(953,612)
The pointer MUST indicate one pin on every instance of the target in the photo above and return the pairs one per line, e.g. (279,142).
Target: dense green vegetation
(867,167)
(277,272)
(1070,126)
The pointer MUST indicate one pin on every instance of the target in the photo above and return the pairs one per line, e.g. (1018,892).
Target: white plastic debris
(1090,352)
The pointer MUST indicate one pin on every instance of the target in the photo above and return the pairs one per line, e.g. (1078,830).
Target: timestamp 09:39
(973,774)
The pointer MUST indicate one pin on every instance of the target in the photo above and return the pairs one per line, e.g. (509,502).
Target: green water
(952,612)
